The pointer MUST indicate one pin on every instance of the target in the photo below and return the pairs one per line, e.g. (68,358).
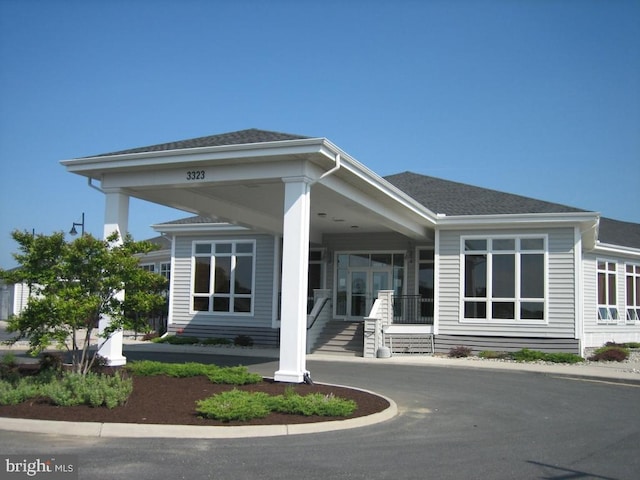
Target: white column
(295,267)
(116,219)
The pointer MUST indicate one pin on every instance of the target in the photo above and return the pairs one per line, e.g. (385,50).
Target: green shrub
(234,376)
(490,354)
(90,389)
(12,393)
(243,341)
(225,375)
(526,355)
(459,352)
(217,341)
(313,404)
(146,368)
(235,405)
(610,354)
(177,340)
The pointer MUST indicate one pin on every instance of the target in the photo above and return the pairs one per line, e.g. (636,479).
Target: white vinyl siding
(560,287)
(597,332)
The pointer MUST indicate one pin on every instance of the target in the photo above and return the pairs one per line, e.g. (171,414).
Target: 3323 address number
(195,175)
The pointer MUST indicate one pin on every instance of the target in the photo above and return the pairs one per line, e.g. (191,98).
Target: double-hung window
(633,293)
(504,278)
(223,277)
(607,292)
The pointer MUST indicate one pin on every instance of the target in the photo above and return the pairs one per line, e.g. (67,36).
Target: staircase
(341,338)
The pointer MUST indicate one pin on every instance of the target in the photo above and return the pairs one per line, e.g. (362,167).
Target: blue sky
(535,97)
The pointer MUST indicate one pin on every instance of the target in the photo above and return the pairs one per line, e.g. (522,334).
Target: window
(149,267)
(426,282)
(165,270)
(607,303)
(504,278)
(223,277)
(633,293)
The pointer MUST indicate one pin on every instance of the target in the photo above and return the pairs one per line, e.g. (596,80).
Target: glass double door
(359,278)
(364,287)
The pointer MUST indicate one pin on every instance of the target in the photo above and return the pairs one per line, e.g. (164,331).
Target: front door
(361,276)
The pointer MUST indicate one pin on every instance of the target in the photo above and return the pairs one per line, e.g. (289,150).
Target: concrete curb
(137,430)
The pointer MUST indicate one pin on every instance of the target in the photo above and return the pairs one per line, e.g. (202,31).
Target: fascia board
(201,154)
(616,249)
(198,228)
(505,220)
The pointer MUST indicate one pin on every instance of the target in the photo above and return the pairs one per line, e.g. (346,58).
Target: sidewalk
(627,372)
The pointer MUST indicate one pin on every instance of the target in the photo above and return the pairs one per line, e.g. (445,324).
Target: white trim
(436,283)
(212,255)
(611,249)
(277,262)
(198,227)
(578,286)
(172,282)
(517,299)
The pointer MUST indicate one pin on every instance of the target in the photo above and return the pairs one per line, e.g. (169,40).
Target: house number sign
(195,175)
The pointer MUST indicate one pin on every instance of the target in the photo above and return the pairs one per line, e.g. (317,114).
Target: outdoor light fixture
(73,230)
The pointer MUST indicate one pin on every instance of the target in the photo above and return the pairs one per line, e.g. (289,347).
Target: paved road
(454,423)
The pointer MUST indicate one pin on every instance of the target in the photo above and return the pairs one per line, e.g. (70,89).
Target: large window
(607,292)
(633,293)
(223,277)
(504,278)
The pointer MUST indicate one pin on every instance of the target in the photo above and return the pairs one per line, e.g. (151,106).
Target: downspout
(328,172)
(90,183)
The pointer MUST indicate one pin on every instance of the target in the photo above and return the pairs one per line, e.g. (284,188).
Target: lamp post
(73,230)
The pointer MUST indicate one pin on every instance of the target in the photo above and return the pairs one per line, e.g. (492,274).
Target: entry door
(364,286)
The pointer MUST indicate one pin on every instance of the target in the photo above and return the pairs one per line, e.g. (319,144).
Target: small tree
(73,284)
(145,298)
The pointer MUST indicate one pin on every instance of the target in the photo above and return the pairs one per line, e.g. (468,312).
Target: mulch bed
(168,400)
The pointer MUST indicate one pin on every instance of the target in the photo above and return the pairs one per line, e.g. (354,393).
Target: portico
(295,188)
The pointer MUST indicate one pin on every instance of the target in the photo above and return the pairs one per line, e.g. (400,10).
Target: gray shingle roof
(240,137)
(453,198)
(198,219)
(616,232)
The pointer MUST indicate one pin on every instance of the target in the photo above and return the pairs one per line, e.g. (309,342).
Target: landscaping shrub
(459,352)
(243,341)
(313,404)
(610,354)
(490,354)
(17,391)
(235,405)
(526,355)
(177,340)
(234,376)
(90,389)
(225,375)
(243,406)
(217,341)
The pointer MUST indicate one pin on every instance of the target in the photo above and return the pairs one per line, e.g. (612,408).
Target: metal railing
(412,309)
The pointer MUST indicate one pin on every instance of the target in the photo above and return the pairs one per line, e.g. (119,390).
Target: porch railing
(412,309)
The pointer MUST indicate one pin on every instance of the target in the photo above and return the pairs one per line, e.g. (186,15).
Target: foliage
(235,405)
(145,298)
(224,375)
(177,340)
(490,354)
(526,355)
(216,341)
(313,404)
(241,405)
(459,352)
(610,353)
(69,389)
(234,376)
(243,341)
(72,285)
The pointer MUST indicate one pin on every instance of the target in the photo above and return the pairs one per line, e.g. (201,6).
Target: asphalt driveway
(454,423)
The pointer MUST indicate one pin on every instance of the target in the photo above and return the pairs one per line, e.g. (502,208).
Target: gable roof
(241,137)
(453,198)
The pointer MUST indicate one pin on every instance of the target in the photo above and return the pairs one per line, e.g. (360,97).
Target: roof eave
(198,227)
(609,248)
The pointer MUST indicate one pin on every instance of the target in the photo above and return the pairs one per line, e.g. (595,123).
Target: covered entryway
(361,275)
(294,187)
